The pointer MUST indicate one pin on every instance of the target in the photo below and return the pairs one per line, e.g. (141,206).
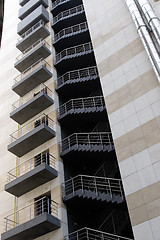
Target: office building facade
(79,138)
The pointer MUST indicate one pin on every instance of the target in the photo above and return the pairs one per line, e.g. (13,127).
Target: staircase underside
(82,115)
(91,195)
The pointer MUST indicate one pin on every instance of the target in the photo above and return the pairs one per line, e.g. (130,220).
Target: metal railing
(29,212)
(32,29)
(43,119)
(58,2)
(90,139)
(32,47)
(30,164)
(82,27)
(68,13)
(32,68)
(85,73)
(95,184)
(74,51)
(90,234)
(80,103)
(41,88)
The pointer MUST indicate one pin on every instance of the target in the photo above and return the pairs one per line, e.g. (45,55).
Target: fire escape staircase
(81,106)
(95,188)
(90,234)
(88,142)
(78,78)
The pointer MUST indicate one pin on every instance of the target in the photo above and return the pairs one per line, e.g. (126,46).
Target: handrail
(93,138)
(41,88)
(58,2)
(71,30)
(42,119)
(90,234)
(30,164)
(95,184)
(31,48)
(29,212)
(68,13)
(32,29)
(33,67)
(90,72)
(73,104)
(76,50)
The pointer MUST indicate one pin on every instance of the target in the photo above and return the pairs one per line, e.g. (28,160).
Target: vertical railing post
(76,140)
(73,186)
(101,141)
(30,164)
(87,234)
(120,186)
(47,160)
(41,157)
(110,189)
(42,205)
(82,184)
(102,236)
(96,190)
(82,103)
(48,204)
(89,143)
(69,144)
(30,215)
(109,140)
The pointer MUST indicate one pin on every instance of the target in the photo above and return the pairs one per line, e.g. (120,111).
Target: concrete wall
(132,95)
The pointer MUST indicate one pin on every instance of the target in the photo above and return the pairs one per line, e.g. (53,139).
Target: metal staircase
(93,142)
(92,234)
(81,105)
(93,188)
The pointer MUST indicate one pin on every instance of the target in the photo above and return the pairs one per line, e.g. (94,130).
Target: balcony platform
(40,13)
(23,2)
(32,179)
(31,108)
(30,7)
(34,228)
(32,37)
(31,140)
(32,80)
(41,51)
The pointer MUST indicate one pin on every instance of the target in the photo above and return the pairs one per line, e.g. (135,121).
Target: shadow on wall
(1,18)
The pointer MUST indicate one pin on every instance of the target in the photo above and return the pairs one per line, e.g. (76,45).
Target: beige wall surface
(7,97)
(132,95)
(8,54)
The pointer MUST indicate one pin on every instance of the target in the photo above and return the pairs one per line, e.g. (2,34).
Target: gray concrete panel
(31,108)
(34,228)
(31,140)
(29,181)
(32,80)
(31,6)
(38,14)
(39,52)
(33,37)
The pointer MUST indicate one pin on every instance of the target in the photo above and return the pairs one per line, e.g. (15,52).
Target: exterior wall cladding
(80,122)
